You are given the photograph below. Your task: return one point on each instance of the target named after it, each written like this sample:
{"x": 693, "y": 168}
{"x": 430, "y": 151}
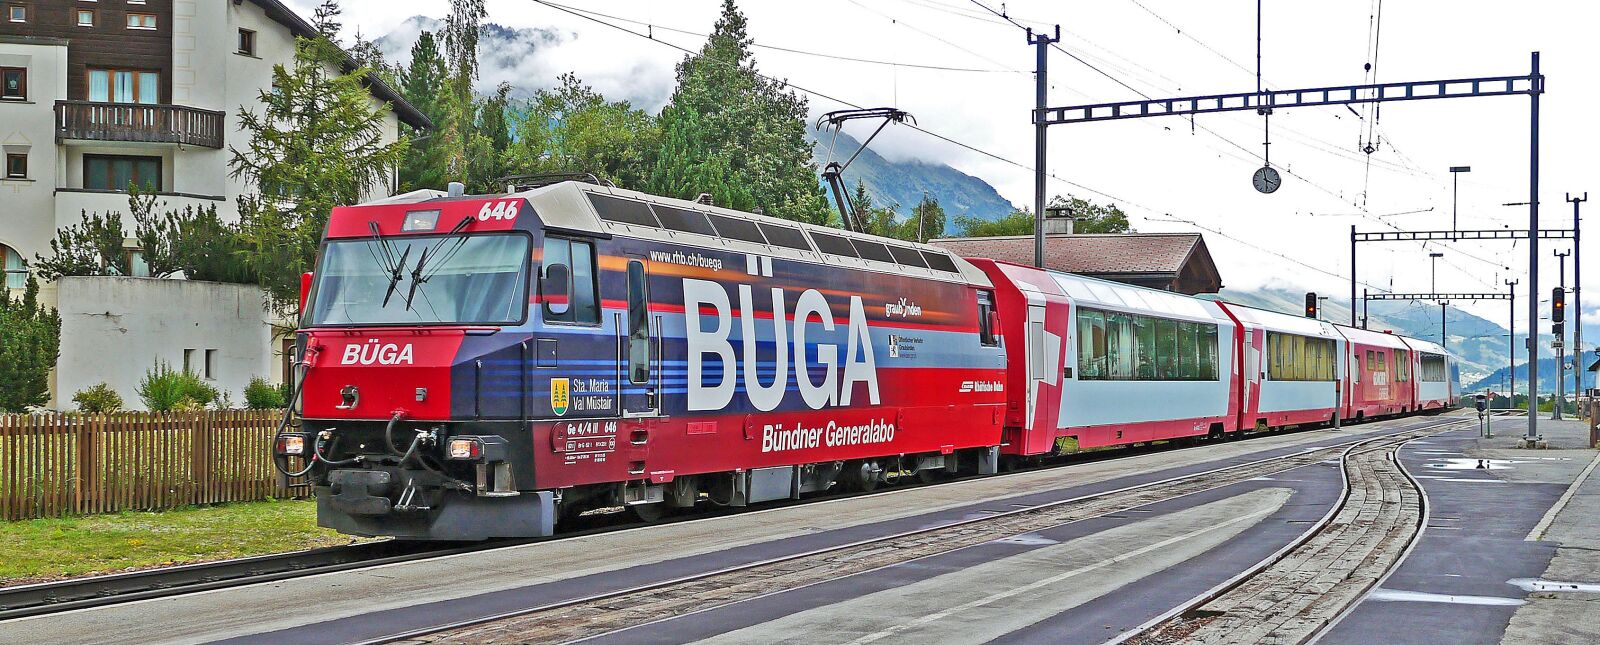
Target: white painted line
{"x": 766, "y": 266}
{"x": 1550, "y": 516}
{"x": 1540, "y": 584}
{"x": 1396, "y": 595}
{"x": 750, "y": 263}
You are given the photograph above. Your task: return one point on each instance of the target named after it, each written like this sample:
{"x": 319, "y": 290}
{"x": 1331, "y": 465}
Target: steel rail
{"x": 1303, "y": 539}
{"x": 1294, "y": 460}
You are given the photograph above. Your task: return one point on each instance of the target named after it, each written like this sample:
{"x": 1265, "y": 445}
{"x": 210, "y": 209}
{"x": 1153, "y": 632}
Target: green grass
{"x": 36, "y": 550}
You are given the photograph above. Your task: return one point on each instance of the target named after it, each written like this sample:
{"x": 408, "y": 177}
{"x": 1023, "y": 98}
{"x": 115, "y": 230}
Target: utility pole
{"x": 1041, "y": 43}
{"x": 1577, "y": 305}
{"x": 1444, "y": 341}
{"x": 1511, "y": 342}
{"x": 1532, "y": 440}
{"x": 1560, "y": 342}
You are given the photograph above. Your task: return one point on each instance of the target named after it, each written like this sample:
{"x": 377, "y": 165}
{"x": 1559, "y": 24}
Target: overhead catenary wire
{"x": 853, "y": 59}
{"x": 584, "y": 14}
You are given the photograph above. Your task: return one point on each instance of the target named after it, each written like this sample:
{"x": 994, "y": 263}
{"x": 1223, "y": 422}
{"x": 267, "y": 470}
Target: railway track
{"x": 80, "y": 593}
{"x": 1295, "y": 595}
{"x": 616, "y": 611}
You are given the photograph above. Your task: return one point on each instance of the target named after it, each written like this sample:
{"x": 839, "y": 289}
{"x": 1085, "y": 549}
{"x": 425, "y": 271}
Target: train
{"x": 471, "y": 367}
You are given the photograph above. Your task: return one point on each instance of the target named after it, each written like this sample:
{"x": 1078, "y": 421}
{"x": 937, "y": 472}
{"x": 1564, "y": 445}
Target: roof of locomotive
{"x": 573, "y": 206}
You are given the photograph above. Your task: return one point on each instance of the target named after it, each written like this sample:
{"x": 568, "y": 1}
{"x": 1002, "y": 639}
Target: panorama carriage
{"x": 482, "y": 366}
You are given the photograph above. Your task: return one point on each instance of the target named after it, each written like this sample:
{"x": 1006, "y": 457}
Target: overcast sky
{"x": 1161, "y": 170}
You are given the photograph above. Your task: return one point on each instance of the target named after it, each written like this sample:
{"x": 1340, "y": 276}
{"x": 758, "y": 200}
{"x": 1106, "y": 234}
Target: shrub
{"x": 163, "y": 389}
{"x": 262, "y": 395}
{"x": 97, "y": 399}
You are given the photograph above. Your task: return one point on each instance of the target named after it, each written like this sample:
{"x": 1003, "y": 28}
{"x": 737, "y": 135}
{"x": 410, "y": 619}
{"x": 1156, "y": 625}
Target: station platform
{"x": 1511, "y": 549}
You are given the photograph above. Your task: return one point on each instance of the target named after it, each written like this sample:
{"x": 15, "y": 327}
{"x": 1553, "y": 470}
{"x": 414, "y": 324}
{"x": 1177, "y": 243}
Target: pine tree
{"x": 317, "y": 143}
{"x": 423, "y": 85}
{"x": 726, "y": 120}
{"x": 30, "y": 343}
{"x": 487, "y": 163}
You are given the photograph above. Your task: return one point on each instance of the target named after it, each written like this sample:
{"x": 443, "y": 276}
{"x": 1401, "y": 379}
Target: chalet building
{"x": 98, "y": 94}
{"x": 1167, "y": 261}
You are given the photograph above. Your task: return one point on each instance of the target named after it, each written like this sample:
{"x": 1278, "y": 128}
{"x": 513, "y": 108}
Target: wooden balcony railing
{"x": 96, "y": 121}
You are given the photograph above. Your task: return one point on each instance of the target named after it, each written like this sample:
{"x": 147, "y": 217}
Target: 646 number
{"x": 498, "y": 210}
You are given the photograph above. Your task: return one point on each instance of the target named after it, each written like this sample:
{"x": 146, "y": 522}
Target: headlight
{"x": 291, "y": 444}
{"x": 465, "y": 449}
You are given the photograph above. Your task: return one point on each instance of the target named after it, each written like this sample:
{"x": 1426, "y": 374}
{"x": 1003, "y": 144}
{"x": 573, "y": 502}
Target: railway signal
{"x": 1558, "y": 304}
{"x": 1311, "y": 304}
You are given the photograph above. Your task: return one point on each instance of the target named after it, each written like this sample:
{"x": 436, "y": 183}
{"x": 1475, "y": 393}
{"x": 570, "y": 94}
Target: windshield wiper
{"x": 417, "y": 278}
{"x": 394, "y": 277}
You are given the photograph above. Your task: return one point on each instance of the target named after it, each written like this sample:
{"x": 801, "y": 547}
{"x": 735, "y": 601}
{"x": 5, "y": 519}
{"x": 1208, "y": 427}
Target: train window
{"x": 737, "y": 229}
{"x": 1166, "y": 350}
{"x": 907, "y": 256}
{"x": 626, "y": 211}
{"x": 1091, "y": 344}
{"x": 874, "y": 251}
{"x": 583, "y": 290}
{"x": 940, "y": 262}
{"x": 1120, "y": 346}
{"x": 1144, "y": 331}
{"x": 833, "y": 244}
{"x": 1402, "y": 365}
{"x": 1188, "y": 353}
{"x": 986, "y": 330}
{"x": 1300, "y": 358}
{"x": 687, "y": 221}
{"x": 785, "y": 236}
{"x": 1208, "y": 352}
{"x": 638, "y": 323}
{"x": 1433, "y": 368}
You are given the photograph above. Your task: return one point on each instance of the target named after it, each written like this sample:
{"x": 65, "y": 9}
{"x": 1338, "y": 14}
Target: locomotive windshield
{"x": 422, "y": 280}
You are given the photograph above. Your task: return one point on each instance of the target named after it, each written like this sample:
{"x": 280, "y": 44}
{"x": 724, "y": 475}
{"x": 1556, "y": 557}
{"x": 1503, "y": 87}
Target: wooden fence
{"x": 61, "y": 464}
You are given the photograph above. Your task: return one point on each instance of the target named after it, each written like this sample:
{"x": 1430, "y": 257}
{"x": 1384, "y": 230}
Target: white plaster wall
{"x": 114, "y": 329}
{"x": 27, "y": 213}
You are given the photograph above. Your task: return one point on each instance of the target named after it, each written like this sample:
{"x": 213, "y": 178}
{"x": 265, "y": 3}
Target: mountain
{"x": 903, "y": 183}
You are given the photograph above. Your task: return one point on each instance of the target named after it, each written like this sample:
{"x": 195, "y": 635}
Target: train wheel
{"x": 862, "y": 475}
{"x": 647, "y": 513}
{"x": 930, "y": 475}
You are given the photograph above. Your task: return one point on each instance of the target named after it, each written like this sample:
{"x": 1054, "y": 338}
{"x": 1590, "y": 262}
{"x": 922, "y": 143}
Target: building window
{"x": 16, "y": 274}
{"x": 124, "y": 86}
{"x": 211, "y": 364}
{"x": 14, "y": 83}
{"x": 17, "y": 13}
{"x": 85, "y": 17}
{"x": 141, "y": 21}
{"x": 16, "y": 165}
{"x": 247, "y": 42}
{"x": 115, "y": 172}
{"x": 188, "y": 360}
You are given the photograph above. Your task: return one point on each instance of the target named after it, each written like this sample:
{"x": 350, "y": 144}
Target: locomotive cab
{"x": 403, "y": 344}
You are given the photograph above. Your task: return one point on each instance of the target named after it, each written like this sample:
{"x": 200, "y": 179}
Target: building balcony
{"x": 138, "y": 122}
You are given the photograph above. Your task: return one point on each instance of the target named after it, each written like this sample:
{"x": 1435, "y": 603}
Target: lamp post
{"x": 1443, "y": 304}
{"x": 1455, "y": 179}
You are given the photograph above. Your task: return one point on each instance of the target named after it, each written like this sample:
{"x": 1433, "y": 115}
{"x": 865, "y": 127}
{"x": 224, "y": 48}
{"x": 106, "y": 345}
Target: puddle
{"x": 1028, "y": 539}
{"x": 1396, "y": 595}
{"x": 1539, "y": 584}
{"x": 1463, "y": 463}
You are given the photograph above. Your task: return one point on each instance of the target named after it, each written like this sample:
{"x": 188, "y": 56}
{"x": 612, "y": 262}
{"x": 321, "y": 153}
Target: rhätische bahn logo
{"x": 560, "y": 395}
